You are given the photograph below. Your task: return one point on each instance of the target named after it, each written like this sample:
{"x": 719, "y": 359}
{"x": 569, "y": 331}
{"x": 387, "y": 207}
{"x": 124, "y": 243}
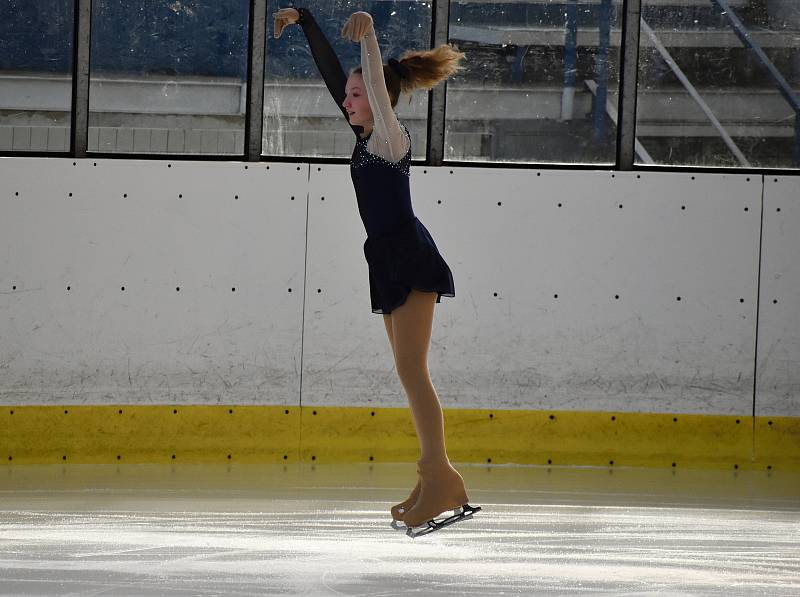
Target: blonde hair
{"x": 420, "y": 70}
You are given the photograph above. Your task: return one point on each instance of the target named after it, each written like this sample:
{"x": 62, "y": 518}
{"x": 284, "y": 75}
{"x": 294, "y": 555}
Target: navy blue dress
{"x": 400, "y": 252}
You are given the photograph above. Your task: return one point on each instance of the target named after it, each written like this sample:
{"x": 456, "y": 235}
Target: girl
{"x": 407, "y": 275}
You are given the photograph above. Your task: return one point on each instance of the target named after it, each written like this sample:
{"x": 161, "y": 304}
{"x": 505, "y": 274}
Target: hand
{"x": 284, "y": 17}
{"x": 357, "y": 26}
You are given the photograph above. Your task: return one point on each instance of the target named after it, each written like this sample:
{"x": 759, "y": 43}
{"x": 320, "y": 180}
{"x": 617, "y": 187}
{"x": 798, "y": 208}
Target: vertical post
{"x": 629, "y": 55}
{"x": 570, "y": 59}
{"x": 601, "y": 66}
{"x": 254, "y": 109}
{"x": 436, "y": 97}
{"x": 797, "y": 139}
{"x": 81, "y": 51}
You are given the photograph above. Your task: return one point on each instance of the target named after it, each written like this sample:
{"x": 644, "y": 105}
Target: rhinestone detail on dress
{"x": 363, "y": 156}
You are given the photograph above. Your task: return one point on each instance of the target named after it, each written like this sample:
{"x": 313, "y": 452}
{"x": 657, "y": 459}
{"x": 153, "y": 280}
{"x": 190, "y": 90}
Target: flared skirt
{"x": 405, "y": 259}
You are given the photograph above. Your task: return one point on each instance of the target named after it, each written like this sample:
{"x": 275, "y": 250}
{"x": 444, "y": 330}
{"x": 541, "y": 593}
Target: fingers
{"x": 357, "y": 26}
{"x": 283, "y": 18}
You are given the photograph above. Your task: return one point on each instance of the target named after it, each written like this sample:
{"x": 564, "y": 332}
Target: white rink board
{"x": 151, "y": 343}
{"x": 520, "y": 348}
{"x": 778, "y": 386}
{"x": 347, "y": 358}
{"x": 645, "y": 351}
{"x": 523, "y": 348}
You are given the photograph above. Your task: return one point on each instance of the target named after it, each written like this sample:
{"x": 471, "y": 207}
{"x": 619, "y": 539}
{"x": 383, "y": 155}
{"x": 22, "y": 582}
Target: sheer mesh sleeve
{"x": 388, "y": 139}
{"x": 327, "y": 62}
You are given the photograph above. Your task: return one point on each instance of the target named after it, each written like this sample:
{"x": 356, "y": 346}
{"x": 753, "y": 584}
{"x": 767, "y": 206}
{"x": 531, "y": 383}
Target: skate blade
{"x": 463, "y": 513}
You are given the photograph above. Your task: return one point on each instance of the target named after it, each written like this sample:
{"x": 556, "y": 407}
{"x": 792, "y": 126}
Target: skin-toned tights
{"x": 409, "y": 330}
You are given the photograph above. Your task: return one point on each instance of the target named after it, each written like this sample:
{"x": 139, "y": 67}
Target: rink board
{"x": 246, "y": 285}
{"x": 579, "y": 291}
{"x": 319, "y": 434}
{"x": 211, "y": 256}
{"x": 778, "y": 384}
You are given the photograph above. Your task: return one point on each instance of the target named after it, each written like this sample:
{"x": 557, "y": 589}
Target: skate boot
{"x": 399, "y": 510}
{"x": 442, "y": 488}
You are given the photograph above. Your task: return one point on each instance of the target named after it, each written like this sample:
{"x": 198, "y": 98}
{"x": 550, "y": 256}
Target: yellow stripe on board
{"x": 264, "y": 434}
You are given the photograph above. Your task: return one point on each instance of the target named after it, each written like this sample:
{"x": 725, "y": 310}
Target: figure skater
{"x": 407, "y": 275}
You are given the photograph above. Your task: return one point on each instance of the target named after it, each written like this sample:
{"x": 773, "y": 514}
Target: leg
{"x": 441, "y": 487}
{"x": 399, "y": 510}
{"x": 411, "y": 334}
{"x": 387, "y": 321}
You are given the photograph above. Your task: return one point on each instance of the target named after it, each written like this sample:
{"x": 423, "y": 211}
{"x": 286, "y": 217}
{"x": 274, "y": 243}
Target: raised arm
{"x": 325, "y": 58}
{"x": 390, "y": 140}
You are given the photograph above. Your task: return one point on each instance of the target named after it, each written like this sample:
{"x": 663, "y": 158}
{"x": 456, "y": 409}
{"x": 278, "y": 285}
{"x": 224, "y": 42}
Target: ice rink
{"x": 325, "y": 530}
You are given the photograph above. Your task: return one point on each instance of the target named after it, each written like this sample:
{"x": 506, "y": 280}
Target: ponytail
{"x": 420, "y": 70}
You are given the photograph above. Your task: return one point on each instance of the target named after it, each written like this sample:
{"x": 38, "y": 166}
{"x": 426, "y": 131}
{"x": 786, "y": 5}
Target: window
{"x": 706, "y": 97}
{"x": 168, "y": 76}
{"x": 540, "y": 83}
{"x": 36, "y": 74}
{"x": 300, "y": 117}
